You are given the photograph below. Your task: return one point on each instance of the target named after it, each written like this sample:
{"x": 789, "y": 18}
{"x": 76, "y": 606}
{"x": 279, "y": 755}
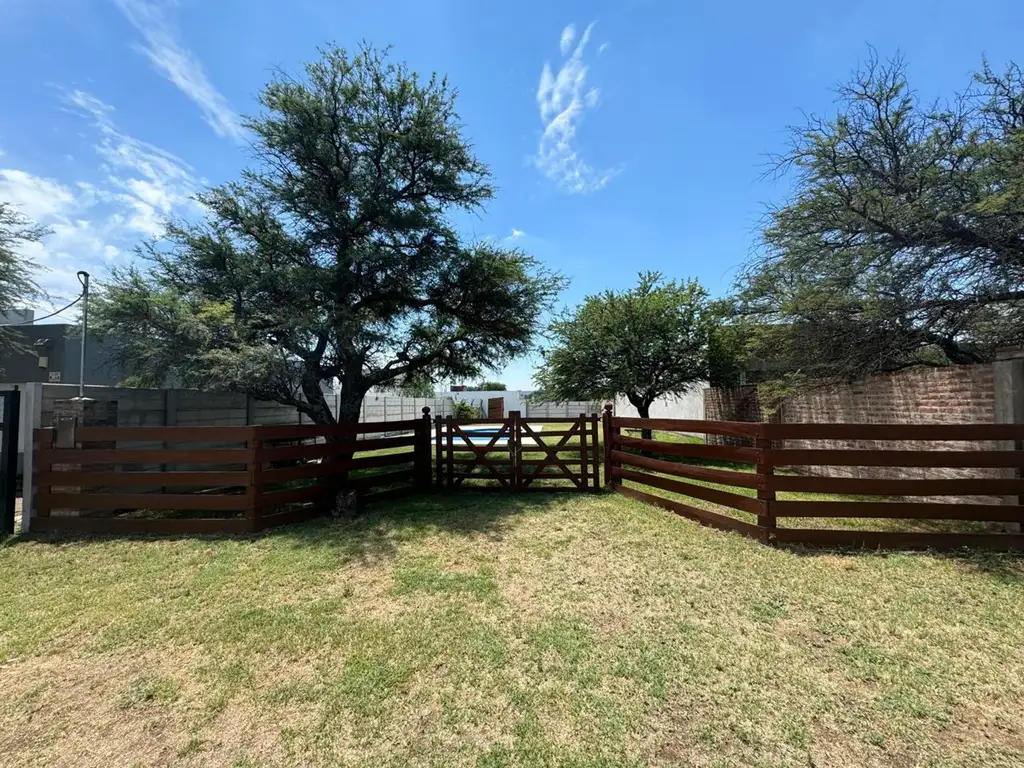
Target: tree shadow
{"x": 1006, "y": 567}
{"x": 376, "y": 533}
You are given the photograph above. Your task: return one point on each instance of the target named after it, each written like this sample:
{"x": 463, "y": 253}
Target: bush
{"x": 463, "y": 410}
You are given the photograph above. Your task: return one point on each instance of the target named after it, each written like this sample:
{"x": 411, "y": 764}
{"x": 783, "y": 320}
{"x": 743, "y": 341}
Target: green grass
{"x": 499, "y": 630}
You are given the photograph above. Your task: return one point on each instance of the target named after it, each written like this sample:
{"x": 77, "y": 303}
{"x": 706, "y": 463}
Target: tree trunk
{"x": 644, "y": 411}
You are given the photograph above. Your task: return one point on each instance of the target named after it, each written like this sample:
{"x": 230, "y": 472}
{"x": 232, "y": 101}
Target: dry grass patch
{"x": 494, "y": 630}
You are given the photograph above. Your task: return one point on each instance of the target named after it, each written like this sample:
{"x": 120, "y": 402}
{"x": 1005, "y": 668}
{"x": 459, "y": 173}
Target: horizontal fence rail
{"x": 170, "y": 479}
{"x": 760, "y": 488}
{"x": 518, "y": 453}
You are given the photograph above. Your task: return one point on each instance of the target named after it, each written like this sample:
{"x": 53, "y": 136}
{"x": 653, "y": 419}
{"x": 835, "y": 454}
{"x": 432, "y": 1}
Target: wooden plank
{"x": 898, "y": 539}
{"x": 168, "y": 434}
{"x": 690, "y": 450}
{"x": 528, "y": 420}
{"x": 859, "y": 486}
{"x": 311, "y": 431}
{"x": 154, "y": 501}
{"x": 143, "y": 456}
{"x": 301, "y": 472}
{"x": 703, "y": 516}
{"x": 900, "y": 510}
{"x": 477, "y": 449}
{"x": 818, "y": 431}
{"x": 721, "y": 476}
{"x": 715, "y": 496}
{"x": 321, "y": 450}
{"x": 143, "y": 479}
{"x": 306, "y": 493}
{"x": 731, "y": 428}
{"x": 871, "y": 458}
{"x": 117, "y": 525}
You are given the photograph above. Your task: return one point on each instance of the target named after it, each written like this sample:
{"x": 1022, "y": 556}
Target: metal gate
{"x": 10, "y": 414}
{"x": 517, "y": 453}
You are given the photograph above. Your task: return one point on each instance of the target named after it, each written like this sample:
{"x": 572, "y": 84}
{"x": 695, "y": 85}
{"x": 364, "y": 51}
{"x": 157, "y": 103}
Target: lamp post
{"x": 83, "y": 278}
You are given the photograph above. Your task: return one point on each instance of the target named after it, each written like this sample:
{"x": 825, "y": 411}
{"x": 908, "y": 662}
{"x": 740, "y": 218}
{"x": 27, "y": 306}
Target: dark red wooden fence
{"x": 634, "y": 467}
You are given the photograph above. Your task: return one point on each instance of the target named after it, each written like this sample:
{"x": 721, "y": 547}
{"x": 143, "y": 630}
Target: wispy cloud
{"x": 148, "y": 181}
{"x": 568, "y": 36}
{"x": 96, "y": 223}
{"x": 516, "y": 233}
{"x": 563, "y": 97}
{"x": 179, "y": 65}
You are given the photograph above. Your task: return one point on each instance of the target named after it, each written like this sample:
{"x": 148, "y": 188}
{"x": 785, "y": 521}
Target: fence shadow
{"x": 1007, "y": 567}
{"x": 375, "y": 533}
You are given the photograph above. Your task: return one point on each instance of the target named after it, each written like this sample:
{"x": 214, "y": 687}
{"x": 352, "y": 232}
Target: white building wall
{"x": 689, "y": 405}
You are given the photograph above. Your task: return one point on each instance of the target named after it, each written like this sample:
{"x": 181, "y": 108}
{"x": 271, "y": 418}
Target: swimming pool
{"x": 477, "y": 436}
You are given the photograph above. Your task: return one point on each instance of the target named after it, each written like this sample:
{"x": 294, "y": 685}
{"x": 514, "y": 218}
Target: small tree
{"x": 490, "y": 386}
{"x": 17, "y": 285}
{"x": 333, "y": 257}
{"x": 649, "y": 341}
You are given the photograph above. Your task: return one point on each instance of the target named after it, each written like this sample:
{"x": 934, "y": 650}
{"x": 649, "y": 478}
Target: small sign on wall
{"x": 54, "y": 377}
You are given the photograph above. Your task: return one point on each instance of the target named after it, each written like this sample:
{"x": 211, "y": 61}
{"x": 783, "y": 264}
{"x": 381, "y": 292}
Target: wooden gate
{"x": 518, "y": 454}
{"x": 496, "y": 408}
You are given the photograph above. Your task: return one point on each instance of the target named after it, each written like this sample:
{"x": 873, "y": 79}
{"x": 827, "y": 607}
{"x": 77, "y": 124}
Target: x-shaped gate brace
{"x": 552, "y": 456}
{"x": 480, "y": 454}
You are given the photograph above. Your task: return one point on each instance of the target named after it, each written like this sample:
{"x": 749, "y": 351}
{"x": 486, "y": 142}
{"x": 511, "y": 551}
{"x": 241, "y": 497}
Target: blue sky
{"x": 622, "y": 135}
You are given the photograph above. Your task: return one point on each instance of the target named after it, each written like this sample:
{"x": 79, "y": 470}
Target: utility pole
{"x": 83, "y": 278}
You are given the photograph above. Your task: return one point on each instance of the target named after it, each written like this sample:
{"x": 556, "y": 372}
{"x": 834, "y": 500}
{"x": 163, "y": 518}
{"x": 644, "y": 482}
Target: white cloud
{"x": 517, "y": 233}
{"x": 563, "y": 98}
{"x": 568, "y": 35}
{"x": 179, "y": 65}
{"x": 149, "y": 181}
{"x": 93, "y": 224}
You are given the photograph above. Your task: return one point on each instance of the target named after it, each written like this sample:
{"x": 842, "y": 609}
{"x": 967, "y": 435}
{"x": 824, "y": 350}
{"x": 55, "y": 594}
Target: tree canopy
{"x": 645, "y": 342}
{"x": 17, "y": 285}
{"x": 333, "y": 256}
{"x": 490, "y": 386}
{"x": 903, "y": 241}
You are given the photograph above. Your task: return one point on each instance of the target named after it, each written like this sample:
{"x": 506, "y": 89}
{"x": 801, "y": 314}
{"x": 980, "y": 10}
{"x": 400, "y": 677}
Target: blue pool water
{"x": 477, "y": 436}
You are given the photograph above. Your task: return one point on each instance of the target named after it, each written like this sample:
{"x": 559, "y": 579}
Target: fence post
{"x": 765, "y": 490}
{"x": 33, "y": 409}
{"x": 448, "y": 422}
{"x": 515, "y": 450}
{"x": 608, "y": 431}
{"x": 423, "y": 451}
{"x": 595, "y": 433}
{"x": 255, "y": 489}
{"x": 9, "y": 455}
{"x": 584, "y": 457}
{"x": 438, "y": 455}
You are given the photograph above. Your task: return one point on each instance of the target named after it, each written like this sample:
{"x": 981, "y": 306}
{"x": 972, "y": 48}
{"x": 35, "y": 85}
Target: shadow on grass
{"x": 1007, "y": 567}
{"x": 375, "y": 533}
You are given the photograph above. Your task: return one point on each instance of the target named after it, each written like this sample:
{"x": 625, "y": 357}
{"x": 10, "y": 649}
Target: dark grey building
{"x": 50, "y": 353}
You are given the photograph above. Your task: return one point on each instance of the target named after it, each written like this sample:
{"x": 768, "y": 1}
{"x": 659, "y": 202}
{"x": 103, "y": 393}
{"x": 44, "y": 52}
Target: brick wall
{"x": 948, "y": 395}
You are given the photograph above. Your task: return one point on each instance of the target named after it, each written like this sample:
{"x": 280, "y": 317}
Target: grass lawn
{"x": 492, "y": 630}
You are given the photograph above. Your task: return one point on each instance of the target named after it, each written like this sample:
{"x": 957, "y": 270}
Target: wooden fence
{"x": 759, "y": 490}
{"x": 241, "y": 479}
{"x": 518, "y": 453}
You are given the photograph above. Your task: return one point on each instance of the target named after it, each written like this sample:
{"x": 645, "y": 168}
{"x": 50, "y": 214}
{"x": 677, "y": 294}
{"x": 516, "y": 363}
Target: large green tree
{"x": 17, "y": 285}
{"x": 903, "y": 240}
{"x": 645, "y": 342}
{"x": 333, "y": 256}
